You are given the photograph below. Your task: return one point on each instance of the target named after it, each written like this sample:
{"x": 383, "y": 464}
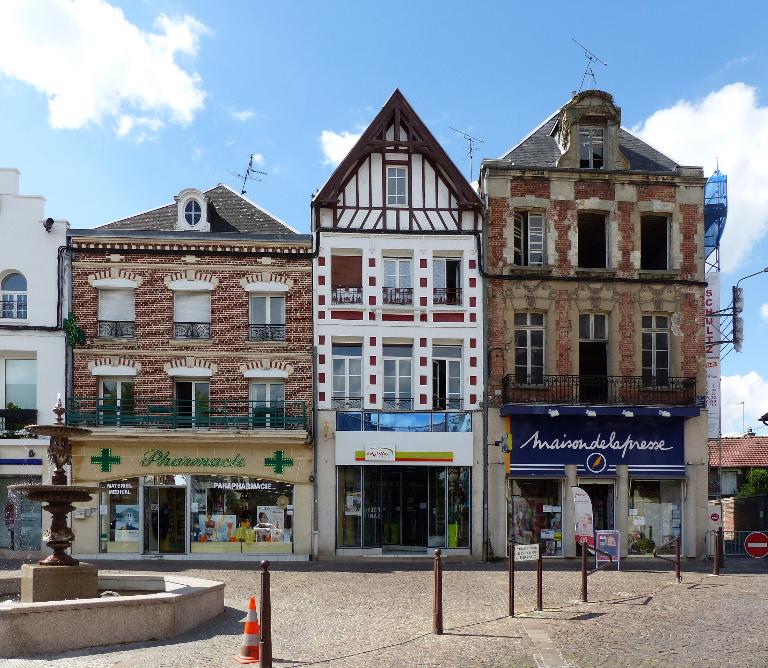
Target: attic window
{"x": 591, "y": 147}
{"x": 397, "y": 193}
{"x": 192, "y": 212}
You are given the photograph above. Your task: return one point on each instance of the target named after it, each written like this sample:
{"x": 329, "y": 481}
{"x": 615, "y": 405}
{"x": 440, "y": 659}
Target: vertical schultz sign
{"x": 712, "y": 352}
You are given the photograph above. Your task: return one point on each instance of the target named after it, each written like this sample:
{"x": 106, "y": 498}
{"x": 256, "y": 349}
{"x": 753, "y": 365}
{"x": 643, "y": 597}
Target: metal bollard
{"x": 539, "y": 593}
{"x": 265, "y": 612}
{"x": 437, "y": 606}
{"x": 716, "y": 556}
{"x": 584, "y": 572}
{"x": 511, "y": 580}
{"x": 678, "y": 575}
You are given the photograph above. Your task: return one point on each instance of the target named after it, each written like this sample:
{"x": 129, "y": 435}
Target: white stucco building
{"x": 32, "y": 349}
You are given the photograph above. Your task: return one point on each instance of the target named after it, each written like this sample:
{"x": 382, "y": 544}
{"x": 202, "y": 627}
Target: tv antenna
{"x": 472, "y": 141}
{"x": 251, "y": 174}
{"x": 589, "y": 71}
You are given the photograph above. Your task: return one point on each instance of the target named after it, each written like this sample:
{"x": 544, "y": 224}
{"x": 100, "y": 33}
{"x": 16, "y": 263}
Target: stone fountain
{"x": 59, "y": 576}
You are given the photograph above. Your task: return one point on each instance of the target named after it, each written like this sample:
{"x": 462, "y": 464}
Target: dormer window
{"x": 591, "y": 155}
{"x": 193, "y": 212}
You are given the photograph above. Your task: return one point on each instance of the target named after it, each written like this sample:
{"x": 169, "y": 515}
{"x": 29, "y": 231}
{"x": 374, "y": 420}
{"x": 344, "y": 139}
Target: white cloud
{"x": 336, "y": 145}
{"x": 242, "y": 115}
{"x": 93, "y": 65}
{"x": 764, "y": 311}
{"x": 752, "y": 389}
{"x": 731, "y": 126}
{"x": 258, "y": 159}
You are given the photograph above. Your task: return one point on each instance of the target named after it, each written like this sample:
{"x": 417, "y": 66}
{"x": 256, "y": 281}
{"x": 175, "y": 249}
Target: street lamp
{"x": 737, "y": 307}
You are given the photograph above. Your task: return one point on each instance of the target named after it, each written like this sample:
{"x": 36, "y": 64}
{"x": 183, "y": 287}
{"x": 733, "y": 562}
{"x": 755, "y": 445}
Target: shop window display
{"x": 458, "y": 506}
{"x": 350, "y": 506}
{"x": 119, "y": 526}
{"x": 20, "y": 528}
{"x": 536, "y": 514}
{"x": 655, "y": 514}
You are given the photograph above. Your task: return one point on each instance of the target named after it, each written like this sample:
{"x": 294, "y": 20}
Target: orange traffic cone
{"x": 249, "y": 651}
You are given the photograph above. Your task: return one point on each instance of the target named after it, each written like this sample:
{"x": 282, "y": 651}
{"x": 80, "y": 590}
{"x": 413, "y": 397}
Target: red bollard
{"x": 437, "y": 606}
{"x": 265, "y": 612}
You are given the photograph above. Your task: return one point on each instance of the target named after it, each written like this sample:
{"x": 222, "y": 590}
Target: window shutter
{"x": 192, "y": 307}
{"x": 346, "y": 271}
{"x": 117, "y": 305}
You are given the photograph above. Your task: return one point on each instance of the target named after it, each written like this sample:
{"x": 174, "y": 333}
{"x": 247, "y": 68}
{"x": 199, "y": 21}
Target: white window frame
{"x": 453, "y": 370}
{"x": 402, "y": 366}
{"x": 591, "y": 328}
{"x": 528, "y": 328}
{"x": 398, "y": 261}
{"x": 190, "y": 212}
{"x": 655, "y": 331}
{"x": 119, "y": 408}
{"x": 587, "y": 136}
{"x": 268, "y": 319}
{"x": 528, "y": 245}
{"x": 440, "y": 281}
{"x": 394, "y": 177}
{"x": 17, "y": 299}
{"x": 354, "y": 401}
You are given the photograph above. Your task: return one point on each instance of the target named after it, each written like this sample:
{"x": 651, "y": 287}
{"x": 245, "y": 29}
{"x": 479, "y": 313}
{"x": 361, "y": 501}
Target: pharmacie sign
{"x": 159, "y": 457}
{"x": 596, "y": 442}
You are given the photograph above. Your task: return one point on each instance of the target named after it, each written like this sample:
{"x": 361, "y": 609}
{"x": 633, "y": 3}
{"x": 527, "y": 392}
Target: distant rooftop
{"x": 740, "y": 451}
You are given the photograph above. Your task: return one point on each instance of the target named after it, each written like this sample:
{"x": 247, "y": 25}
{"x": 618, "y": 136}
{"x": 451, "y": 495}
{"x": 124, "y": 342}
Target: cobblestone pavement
{"x": 367, "y": 614}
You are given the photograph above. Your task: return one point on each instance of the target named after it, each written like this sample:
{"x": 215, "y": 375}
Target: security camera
{"x": 48, "y": 224}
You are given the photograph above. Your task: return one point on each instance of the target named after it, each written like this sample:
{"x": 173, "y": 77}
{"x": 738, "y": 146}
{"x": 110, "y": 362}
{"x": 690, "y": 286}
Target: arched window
{"x": 192, "y": 212}
{"x": 13, "y": 290}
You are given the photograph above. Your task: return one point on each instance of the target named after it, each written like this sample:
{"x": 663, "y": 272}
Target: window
{"x": 529, "y": 239}
{"x": 655, "y": 350}
{"x": 659, "y": 503}
{"x": 117, "y": 313}
{"x": 398, "y": 365}
{"x": 729, "y": 482}
{"x": 116, "y": 401}
{"x": 192, "y": 315}
{"x": 347, "y": 375}
{"x": 446, "y": 377}
{"x": 193, "y": 403}
{"x": 14, "y": 296}
{"x": 192, "y": 212}
{"x": 592, "y": 241}
{"x": 653, "y": 242}
{"x": 593, "y": 357}
{"x": 268, "y": 404}
{"x": 447, "y": 281}
{"x": 397, "y": 192}
{"x": 21, "y": 384}
{"x": 267, "y": 319}
{"x": 398, "y": 288}
{"x": 347, "y": 279}
{"x": 592, "y": 327}
{"x": 591, "y": 148}
{"x": 529, "y": 348}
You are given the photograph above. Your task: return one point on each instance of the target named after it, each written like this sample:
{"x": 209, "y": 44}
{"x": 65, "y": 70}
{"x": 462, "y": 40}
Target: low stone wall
{"x": 181, "y": 604}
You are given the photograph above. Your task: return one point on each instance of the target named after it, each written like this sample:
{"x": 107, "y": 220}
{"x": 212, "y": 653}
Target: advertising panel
{"x": 712, "y": 352}
{"x": 582, "y": 508}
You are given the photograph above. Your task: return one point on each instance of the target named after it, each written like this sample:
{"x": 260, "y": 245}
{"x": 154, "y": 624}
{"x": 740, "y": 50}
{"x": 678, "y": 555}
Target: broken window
{"x": 654, "y": 242}
{"x": 347, "y": 279}
{"x": 529, "y": 239}
{"x": 592, "y": 241}
{"x": 591, "y": 147}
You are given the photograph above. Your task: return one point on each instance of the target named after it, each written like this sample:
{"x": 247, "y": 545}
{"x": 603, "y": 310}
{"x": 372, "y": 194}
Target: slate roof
{"x": 228, "y": 211}
{"x": 540, "y": 149}
{"x": 740, "y": 451}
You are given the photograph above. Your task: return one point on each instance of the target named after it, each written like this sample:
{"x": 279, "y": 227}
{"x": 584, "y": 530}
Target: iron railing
{"x": 116, "y": 329}
{"x": 733, "y": 542}
{"x": 186, "y": 413}
{"x": 397, "y": 403}
{"x": 15, "y": 419}
{"x": 401, "y": 296}
{"x": 191, "y": 330}
{"x": 265, "y": 332}
{"x": 606, "y": 390}
{"x": 447, "y": 403}
{"x": 446, "y": 296}
{"x": 346, "y": 402}
{"x": 347, "y": 295}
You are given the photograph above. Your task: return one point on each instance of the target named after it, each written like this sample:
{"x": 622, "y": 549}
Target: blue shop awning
{"x": 538, "y": 470}
{"x": 653, "y": 471}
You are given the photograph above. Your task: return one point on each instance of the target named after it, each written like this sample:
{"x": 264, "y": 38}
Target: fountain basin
{"x": 158, "y": 607}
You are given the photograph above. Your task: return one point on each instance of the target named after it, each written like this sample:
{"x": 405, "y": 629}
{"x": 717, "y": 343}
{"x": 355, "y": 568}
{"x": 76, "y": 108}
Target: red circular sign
{"x": 714, "y": 517}
{"x": 756, "y": 544}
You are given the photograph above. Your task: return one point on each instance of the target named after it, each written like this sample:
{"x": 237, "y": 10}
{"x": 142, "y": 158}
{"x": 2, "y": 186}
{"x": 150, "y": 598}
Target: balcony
{"x": 184, "y": 414}
{"x": 116, "y": 329}
{"x": 603, "y": 390}
{"x": 15, "y": 419}
{"x": 346, "y": 295}
{"x": 266, "y": 332}
{"x": 339, "y": 402}
{"x": 390, "y": 403}
{"x": 446, "y": 296}
{"x": 398, "y": 296}
{"x": 191, "y": 330}
{"x": 447, "y": 403}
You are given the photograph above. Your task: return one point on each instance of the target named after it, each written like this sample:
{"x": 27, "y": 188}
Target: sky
{"x": 111, "y": 108}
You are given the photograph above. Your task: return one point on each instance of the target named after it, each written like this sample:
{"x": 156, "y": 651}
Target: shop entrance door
{"x": 404, "y": 505}
{"x": 164, "y": 520}
{"x": 602, "y": 498}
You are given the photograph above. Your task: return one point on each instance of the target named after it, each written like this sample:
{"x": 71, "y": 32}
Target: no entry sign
{"x": 756, "y": 544}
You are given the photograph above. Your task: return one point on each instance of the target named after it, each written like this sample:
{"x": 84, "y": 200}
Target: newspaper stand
{"x": 524, "y": 553}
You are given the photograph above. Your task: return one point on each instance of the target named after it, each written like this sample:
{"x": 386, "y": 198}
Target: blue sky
{"x": 109, "y": 113}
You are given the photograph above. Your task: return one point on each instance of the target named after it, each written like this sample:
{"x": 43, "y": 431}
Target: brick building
{"x": 595, "y": 286}
{"x": 196, "y": 379}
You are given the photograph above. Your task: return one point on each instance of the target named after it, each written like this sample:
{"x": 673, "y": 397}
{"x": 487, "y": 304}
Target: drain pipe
{"x": 315, "y": 442}
{"x": 486, "y": 376}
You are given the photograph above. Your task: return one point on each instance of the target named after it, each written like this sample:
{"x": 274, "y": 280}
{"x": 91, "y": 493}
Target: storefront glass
{"x": 655, "y": 514}
{"x": 120, "y": 517}
{"x": 458, "y": 506}
{"x": 536, "y": 514}
{"x": 21, "y": 527}
{"x": 349, "y": 506}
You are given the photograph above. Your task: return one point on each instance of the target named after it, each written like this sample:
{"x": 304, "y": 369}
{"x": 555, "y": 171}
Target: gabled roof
{"x": 397, "y": 111}
{"x": 228, "y": 211}
{"x": 740, "y": 451}
{"x": 540, "y": 149}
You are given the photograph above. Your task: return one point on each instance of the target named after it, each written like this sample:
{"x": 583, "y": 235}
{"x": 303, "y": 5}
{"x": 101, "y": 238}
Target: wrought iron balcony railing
{"x": 346, "y": 402}
{"x": 116, "y": 329}
{"x": 447, "y": 403}
{"x": 606, "y": 390}
{"x": 401, "y": 296}
{"x": 266, "y": 332}
{"x": 186, "y": 414}
{"x": 15, "y": 419}
{"x": 347, "y": 295}
{"x": 446, "y": 296}
{"x": 390, "y": 403}
{"x": 191, "y": 330}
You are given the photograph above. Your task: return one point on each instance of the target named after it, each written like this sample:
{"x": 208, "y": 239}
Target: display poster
{"x": 610, "y": 542}
{"x": 215, "y": 528}
{"x": 271, "y": 523}
{"x": 126, "y": 523}
{"x": 712, "y": 352}
{"x": 353, "y": 503}
{"x": 582, "y": 507}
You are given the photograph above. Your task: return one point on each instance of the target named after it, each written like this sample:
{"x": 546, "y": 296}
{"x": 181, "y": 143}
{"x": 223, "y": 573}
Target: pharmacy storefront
{"x": 206, "y": 499}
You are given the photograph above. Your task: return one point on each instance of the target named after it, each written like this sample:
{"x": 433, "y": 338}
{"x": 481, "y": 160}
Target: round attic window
{"x": 192, "y": 212}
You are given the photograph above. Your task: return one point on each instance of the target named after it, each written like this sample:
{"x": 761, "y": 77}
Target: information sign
{"x": 610, "y": 542}
{"x": 527, "y": 552}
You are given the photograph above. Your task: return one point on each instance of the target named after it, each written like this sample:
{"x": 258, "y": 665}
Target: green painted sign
{"x": 105, "y": 460}
{"x": 278, "y": 461}
{"x": 159, "y": 457}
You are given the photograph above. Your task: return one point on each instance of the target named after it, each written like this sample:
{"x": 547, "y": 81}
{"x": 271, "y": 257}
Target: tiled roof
{"x": 740, "y": 451}
{"x": 228, "y": 211}
{"x": 540, "y": 149}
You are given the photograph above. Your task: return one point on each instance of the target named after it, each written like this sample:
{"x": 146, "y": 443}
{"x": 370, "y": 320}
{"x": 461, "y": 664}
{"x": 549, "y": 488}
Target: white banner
{"x": 582, "y": 509}
{"x": 712, "y": 333}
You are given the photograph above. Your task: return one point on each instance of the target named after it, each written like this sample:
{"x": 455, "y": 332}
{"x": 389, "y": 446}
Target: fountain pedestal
{"x": 54, "y": 583}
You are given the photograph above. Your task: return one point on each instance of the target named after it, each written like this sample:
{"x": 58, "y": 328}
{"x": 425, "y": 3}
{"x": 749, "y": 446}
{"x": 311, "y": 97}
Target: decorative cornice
{"x": 190, "y": 367}
{"x": 114, "y": 365}
{"x": 266, "y": 368}
{"x": 191, "y": 279}
{"x": 266, "y": 281}
{"x": 114, "y": 277}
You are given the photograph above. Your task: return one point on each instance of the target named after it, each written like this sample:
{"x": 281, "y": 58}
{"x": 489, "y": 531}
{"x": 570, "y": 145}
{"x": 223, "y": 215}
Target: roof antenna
{"x": 471, "y": 143}
{"x": 251, "y": 174}
{"x": 591, "y": 57}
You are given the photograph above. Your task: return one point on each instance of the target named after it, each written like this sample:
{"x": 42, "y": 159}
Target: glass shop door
{"x": 164, "y": 520}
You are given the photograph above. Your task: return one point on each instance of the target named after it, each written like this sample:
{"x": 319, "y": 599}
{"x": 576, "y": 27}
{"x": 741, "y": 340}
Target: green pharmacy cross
{"x": 278, "y": 461}
{"x": 105, "y": 460}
